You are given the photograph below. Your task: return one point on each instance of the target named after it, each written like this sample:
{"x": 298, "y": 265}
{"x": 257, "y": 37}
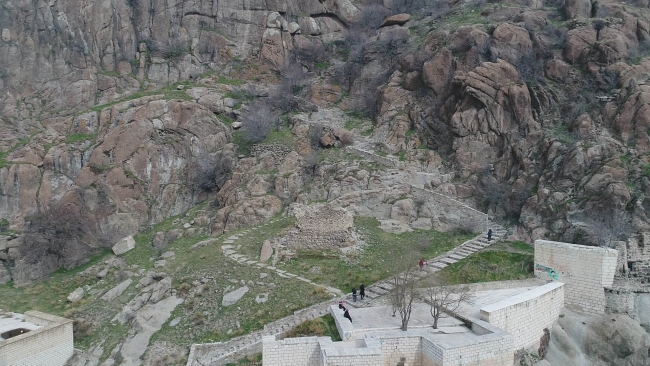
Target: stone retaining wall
{"x": 277, "y": 151}
{"x": 585, "y": 270}
{"x": 527, "y": 314}
{"x": 312, "y": 240}
{"x": 416, "y": 348}
{"x": 51, "y": 345}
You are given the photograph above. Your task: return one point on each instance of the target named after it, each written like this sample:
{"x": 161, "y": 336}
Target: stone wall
{"x": 309, "y": 240}
{"x": 278, "y": 152}
{"x": 585, "y": 271}
{"x": 527, "y": 314}
{"x": 302, "y": 351}
{"x": 637, "y": 258}
{"x": 51, "y": 345}
{"x": 415, "y": 348}
{"x": 319, "y": 227}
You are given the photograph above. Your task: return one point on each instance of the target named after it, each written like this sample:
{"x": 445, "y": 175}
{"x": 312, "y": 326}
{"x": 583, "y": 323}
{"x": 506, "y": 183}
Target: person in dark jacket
{"x": 347, "y": 315}
{"x": 354, "y": 294}
{"x": 362, "y": 291}
{"x": 489, "y": 234}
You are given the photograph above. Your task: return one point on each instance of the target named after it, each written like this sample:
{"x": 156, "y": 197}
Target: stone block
{"x": 124, "y": 245}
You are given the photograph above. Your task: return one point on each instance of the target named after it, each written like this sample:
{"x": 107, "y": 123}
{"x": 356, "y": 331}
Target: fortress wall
{"x": 51, "y": 345}
{"x": 527, "y": 314}
{"x": 302, "y": 351}
{"x": 584, "y": 270}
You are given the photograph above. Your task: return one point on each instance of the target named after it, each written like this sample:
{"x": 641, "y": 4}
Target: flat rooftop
{"x": 373, "y": 319}
{"x": 472, "y": 307}
{"x": 13, "y": 321}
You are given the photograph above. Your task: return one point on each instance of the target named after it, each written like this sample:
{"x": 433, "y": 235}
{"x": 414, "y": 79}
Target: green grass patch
{"x": 226, "y": 81}
{"x": 491, "y": 265}
{"x": 254, "y": 360}
{"x": 48, "y": 295}
{"x": 225, "y": 119}
{"x": 168, "y": 92}
{"x": 251, "y": 243}
{"x": 283, "y": 136}
{"x": 375, "y": 262}
{"x": 322, "y": 65}
{"x": 324, "y": 326}
{"x": 80, "y": 137}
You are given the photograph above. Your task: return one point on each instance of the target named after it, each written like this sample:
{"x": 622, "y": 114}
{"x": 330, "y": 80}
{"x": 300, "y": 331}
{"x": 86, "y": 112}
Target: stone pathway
{"x": 230, "y": 251}
{"x": 217, "y": 354}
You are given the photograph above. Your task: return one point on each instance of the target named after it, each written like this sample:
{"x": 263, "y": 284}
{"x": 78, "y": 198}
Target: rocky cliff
{"x": 538, "y": 111}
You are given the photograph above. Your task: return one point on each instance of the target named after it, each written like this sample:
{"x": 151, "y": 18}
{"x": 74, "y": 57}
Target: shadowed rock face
{"x": 606, "y": 340}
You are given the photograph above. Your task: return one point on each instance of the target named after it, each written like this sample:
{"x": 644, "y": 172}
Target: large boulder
{"x": 511, "y": 42}
{"x": 124, "y": 245}
{"x": 232, "y": 297}
{"x": 437, "y": 72}
{"x": 397, "y": 19}
{"x": 612, "y": 339}
{"x": 76, "y": 295}
{"x": 491, "y": 116}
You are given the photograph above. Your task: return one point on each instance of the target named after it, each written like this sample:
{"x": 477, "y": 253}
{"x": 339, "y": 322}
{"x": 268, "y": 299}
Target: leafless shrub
{"x": 315, "y": 134}
{"x": 556, "y": 36}
{"x": 210, "y": 171}
{"x": 258, "y": 122}
{"x": 59, "y": 234}
{"x": 175, "y": 50}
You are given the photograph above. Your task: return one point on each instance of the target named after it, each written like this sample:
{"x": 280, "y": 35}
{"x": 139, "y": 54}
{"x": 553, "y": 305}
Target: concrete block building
{"x": 35, "y": 339}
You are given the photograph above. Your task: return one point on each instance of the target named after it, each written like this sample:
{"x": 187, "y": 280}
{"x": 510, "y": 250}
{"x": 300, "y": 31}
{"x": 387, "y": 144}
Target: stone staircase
{"x": 374, "y": 292}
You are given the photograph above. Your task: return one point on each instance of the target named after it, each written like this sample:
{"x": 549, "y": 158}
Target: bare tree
{"x": 444, "y": 298}
{"x": 404, "y": 292}
{"x": 58, "y": 236}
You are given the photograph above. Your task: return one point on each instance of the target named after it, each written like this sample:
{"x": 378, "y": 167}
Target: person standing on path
{"x": 421, "y": 264}
{"x": 489, "y": 234}
{"x": 347, "y": 315}
{"x": 362, "y": 291}
{"x": 354, "y": 294}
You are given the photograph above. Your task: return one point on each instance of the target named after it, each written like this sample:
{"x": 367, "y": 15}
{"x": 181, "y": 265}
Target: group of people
{"x": 362, "y": 293}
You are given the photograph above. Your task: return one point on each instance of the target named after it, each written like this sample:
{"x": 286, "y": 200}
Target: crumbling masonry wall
{"x": 584, "y": 270}
{"x": 51, "y": 345}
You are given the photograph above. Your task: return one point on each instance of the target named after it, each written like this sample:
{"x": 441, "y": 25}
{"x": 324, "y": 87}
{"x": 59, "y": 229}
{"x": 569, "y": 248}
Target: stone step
{"x": 457, "y": 256}
{"x": 429, "y": 268}
{"x": 448, "y": 260}
{"x": 439, "y": 265}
